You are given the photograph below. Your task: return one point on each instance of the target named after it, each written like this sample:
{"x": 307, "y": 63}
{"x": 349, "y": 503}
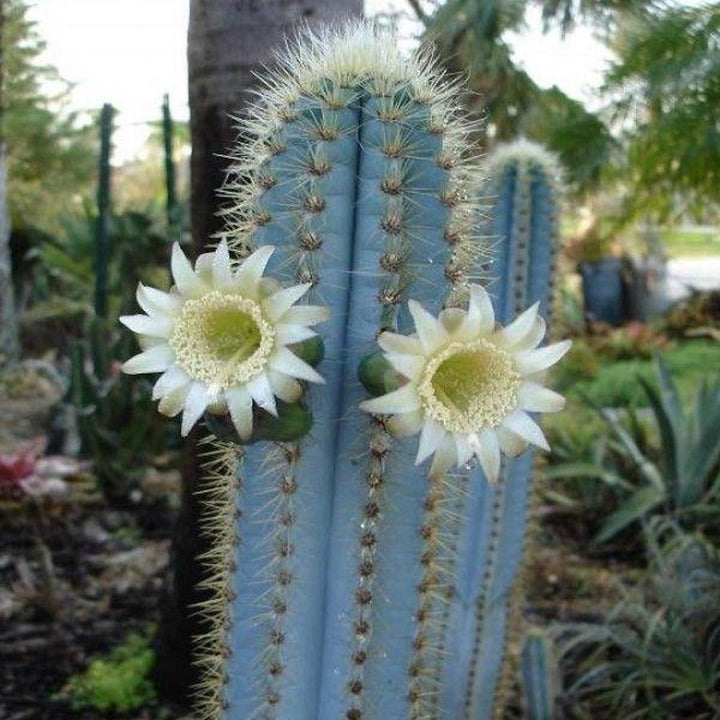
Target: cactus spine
{"x": 335, "y": 568}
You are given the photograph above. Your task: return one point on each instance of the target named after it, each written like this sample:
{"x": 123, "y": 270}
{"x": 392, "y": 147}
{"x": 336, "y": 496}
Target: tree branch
{"x": 421, "y": 14}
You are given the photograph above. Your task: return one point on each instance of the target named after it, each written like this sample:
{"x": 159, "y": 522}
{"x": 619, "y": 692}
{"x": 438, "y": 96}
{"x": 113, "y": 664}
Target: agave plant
{"x": 677, "y": 477}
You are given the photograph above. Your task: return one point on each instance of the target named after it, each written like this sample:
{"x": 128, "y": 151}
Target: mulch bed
{"x": 73, "y": 586}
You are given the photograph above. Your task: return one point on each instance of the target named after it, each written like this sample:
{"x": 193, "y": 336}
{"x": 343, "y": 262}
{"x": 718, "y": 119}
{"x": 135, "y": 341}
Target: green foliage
{"x": 700, "y": 312}
{"x": 51, "y": 158}
{"x": 587, "y": 372}
{"x": 567, "y": 13}
{"x": 578, "y": 137}
{"x": 675, "y": 474}
{"x": 140, "y": 246}
{"x": 667, "y": 79}
{"x": 113, "y": 413}
{"x": 658, "y": 653}
{"x": 118, "y": 683}
{"x": 471, "y": 38}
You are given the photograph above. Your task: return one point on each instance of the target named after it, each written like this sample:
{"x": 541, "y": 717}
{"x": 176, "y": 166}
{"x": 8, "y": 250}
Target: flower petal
{"x": 431, "y": 333}
{"x": 148, "y": 341}
{"x": 533, "y": 397}
{"x": 261, "y": 392}
{"x": 250, "y": 272}
{"x": 172, "y": 379}
{"x": 277, "y": 304}
{"x": 145, "y": 325}
{"x": 187, "y": 281}
{"x": 157, "y": 302}
{"x": 487, "y": 448}
{"x": 532, "y": 361}
{"x": 195, "y": 404}
{"x": 157, "y": 358}
{"x": 394, "y": 343}
{"x": 289, "y": 363}
{"x": 402, "y": 400}
{"x": 268, "y": 286}
{"x": 305, "y": 315}
{"x": 444, "y": 459}
{"x": 289, "y": 334}
{"x": 480, "y": 315}
{"x": 451, "y": 319}
{"x": 520, "y": 327}
{"x": 288, "y": 389}
{"x": 535, "y": 336}
{"x": 519, "y": 422}
{"x": 239, "y": 405}
{"x": 431, "y": 438}
{"x": 172, "y": 404}
{"x": 411, "y": 366}
{"x": 464, "y": 450}
{"x": 222, "y": 266}
{"x": 510, "y": 443}
{"x": 204, "y": 267}
{"x": 405, "y": 424}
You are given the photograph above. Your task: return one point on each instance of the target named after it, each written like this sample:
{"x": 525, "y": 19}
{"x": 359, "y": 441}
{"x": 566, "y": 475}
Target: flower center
{"x": 469, "y": 386}
{"x": 222, "y": 340}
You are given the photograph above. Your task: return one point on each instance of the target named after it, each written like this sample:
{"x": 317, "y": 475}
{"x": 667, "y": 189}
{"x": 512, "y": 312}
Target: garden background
{"x": 619, "y": 595}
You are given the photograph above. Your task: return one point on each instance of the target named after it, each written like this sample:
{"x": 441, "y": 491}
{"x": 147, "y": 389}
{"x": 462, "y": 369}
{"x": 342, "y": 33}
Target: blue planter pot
{"x": 603, "y": 290}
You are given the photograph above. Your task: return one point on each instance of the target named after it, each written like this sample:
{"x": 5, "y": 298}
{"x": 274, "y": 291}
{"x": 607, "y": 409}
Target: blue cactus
{"x": 523, "y": 188}
{"x": 345, "y": 581}
{"x": 539, "y": 671}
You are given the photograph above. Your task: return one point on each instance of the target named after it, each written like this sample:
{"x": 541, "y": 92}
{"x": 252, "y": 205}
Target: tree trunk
{"x": 228, "y": 41}
{"x": 9, "y": 344}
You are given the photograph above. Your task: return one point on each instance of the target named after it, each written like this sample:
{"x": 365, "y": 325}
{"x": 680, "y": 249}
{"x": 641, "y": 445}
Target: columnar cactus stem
{"x": 348, "y": 580}
{"x": 524, "y": 185}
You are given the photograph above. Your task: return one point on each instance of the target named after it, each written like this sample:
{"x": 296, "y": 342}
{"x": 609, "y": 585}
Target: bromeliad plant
{"x": 347, "y": 581}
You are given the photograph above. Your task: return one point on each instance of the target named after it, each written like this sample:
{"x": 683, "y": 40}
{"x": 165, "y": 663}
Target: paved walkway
{"x": 702, "y": 273}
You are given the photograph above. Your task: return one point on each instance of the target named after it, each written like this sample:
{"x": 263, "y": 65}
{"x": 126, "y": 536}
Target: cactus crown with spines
{"x": 335, "y": 561}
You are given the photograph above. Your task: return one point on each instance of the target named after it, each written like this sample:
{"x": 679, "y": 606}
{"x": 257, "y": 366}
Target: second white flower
{"x": 471, "y": 385}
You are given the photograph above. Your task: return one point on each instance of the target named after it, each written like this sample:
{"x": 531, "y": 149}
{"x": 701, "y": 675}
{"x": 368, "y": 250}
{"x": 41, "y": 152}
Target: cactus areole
{"x": 351, "y": 575}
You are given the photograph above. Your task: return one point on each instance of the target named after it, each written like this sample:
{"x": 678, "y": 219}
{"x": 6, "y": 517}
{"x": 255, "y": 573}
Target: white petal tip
{"x": 130, "y": 368}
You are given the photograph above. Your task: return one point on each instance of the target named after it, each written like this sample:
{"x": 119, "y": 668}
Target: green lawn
{"x": 690, "y": 243}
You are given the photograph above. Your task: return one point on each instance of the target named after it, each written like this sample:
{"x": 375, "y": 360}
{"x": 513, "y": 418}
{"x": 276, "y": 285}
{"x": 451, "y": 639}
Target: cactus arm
{"x": 388, "y": 646}
{"x": 522, "y": 223}
{"x": 361, "y": 499}
{"x": 531, "y": 180}
{"x": 303, "y": 206}
{"x": 538, "y": 676}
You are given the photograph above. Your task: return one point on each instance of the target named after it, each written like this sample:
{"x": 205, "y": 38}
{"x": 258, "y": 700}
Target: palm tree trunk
{"x": 227, "y": 43}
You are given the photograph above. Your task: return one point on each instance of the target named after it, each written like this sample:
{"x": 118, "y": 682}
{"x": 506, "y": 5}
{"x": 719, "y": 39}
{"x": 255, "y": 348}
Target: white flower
{"x": 470, "y": 384}
{"x": 220, "y": 338}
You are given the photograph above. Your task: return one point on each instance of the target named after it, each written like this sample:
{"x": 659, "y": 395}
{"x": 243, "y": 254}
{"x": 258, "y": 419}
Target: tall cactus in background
{"x": 346, "y": 580}
{"x": 522, "y": 187}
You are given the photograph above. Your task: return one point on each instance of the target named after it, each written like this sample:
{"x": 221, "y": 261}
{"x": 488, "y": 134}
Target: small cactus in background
{"x": 347, "y": 581}
{"x": 539, "y": 676}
